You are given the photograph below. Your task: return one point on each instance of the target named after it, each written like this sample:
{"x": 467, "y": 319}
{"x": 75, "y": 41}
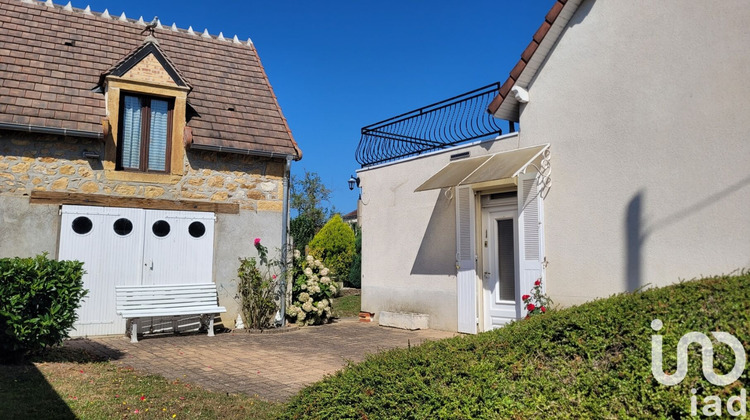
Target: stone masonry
{"x": 31, "y": 162}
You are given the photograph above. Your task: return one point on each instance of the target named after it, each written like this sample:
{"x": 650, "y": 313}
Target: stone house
{"x": 629, "y": 170}
{"x": 155, "y": 158}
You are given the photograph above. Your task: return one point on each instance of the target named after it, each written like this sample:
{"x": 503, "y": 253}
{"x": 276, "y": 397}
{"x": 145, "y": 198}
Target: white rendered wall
{"x": 647, "y": 108}
{"x": 409, "y": 239}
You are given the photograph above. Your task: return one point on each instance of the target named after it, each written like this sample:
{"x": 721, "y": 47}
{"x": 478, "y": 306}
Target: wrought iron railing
{"x": 437, "y": 126}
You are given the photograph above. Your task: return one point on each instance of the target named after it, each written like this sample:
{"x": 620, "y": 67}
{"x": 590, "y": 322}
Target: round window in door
{"x": 197, "y": 229}
{"x": 161, "y": 228}
{"x": 122, "y": 226}
{"x": 82, "y": 225}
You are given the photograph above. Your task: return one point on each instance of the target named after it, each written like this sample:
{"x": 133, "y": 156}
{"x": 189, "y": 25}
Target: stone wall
{"x": 31, "y": 162}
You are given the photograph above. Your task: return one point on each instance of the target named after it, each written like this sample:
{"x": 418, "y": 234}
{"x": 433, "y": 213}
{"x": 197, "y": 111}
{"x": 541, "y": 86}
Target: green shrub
{"x": 590, "y": 361}
{"x": 38, "y": 302}
{"x": 334, "y": 245}
{"x": 258, "y": 289}
{"x": 355, "y": 271}
{"x": 312, "y": 291}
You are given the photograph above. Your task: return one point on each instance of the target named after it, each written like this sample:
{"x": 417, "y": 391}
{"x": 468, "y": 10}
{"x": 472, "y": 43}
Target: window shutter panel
{"x": 157, "y": 147}
{"x": 531, "y": 231}
{"x": 466, "y": 287}
{"x": 131, "y": 133}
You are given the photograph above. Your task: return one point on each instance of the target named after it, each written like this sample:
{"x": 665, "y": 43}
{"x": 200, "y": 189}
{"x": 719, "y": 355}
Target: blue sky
{"x": 336, "y": 66}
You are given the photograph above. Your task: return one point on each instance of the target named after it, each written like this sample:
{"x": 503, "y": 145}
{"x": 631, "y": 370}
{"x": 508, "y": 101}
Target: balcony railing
{"x": 438, "y": 126}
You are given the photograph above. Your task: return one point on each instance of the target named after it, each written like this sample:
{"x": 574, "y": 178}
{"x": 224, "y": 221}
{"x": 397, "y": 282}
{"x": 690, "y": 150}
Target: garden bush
{"x": 312, "y": 291}
{"x": 334, "y": 246}
{"x": 589, "y": 361}
{"x": 258, "y": 290}
{"x": 38, "y": 302}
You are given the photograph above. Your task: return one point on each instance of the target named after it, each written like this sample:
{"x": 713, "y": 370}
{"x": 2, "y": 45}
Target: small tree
{"x": 307, "y": 197}
{"x": 334, "y": 245}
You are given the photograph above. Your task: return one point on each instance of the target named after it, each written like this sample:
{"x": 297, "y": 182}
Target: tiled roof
{"x": 46, "y": 82}
{"x": 533, "y": 56}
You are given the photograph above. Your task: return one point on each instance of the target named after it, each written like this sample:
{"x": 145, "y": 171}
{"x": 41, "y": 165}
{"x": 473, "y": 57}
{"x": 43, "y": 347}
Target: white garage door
{"x": 120, "y": 246}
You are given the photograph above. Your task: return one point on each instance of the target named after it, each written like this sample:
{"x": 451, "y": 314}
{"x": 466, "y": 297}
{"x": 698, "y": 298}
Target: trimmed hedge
{"x": 38, "y": 302}
{"x": 589, "y": 361}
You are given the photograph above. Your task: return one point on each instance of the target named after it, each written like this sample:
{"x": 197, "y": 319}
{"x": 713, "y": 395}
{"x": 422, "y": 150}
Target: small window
{"x": 82, "y": 225}
{"x": 196, "y": 229}
{"x": 145, "y": 134}
{"x": 123, "y": 226}
{"x": 160, "y": 228}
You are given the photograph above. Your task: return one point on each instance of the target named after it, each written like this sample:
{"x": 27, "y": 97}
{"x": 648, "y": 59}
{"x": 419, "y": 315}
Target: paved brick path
{"x": 273, "y": 366}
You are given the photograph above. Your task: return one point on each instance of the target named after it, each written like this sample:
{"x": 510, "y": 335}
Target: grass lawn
{"x": 347, "y": 306}
{"x": 68, "y": 384}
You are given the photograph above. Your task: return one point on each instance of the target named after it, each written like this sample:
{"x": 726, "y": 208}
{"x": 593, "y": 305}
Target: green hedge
{"x": 38, "y": 302}
{"x": 590, "y": 361}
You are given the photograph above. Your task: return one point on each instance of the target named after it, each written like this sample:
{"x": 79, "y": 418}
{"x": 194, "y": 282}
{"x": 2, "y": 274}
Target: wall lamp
{"x": 353, "y": 181}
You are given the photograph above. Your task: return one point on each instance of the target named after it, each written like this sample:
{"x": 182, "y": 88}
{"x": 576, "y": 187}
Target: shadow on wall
{"x": 437, "y": 252}
{"x": 636, "y": 232}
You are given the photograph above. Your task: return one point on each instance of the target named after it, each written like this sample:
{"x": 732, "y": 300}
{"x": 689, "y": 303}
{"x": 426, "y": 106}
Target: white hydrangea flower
{"x": 303, "y": 297}
{"x": 301, "y": 316}
{"x": 297, "y": 253}
{"x": 325, "y": 280}
{"x": 309, "y": 300}
{"x": 318, "y": 263}
{"x": 324, "y": 271}
{"x": 333, "y": 289}
{"x": 308, "y": 272}
{"x": 324, "y": 302}
{"x": 307, "y": 306}
{"x": 303, "y": 286}
{"x": 309, "y": 259}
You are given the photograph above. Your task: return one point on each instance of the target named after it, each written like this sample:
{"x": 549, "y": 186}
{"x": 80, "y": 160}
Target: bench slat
{"x": 174, "y": 312}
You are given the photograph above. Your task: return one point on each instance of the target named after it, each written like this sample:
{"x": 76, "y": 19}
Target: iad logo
{"x": 713, "y": 403}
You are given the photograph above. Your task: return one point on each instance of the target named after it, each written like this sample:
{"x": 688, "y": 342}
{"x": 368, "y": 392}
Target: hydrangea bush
{"x": 312, "y": 291}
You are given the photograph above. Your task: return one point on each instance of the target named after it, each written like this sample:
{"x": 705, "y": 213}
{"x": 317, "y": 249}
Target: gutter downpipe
{"x": 285, "y": 237}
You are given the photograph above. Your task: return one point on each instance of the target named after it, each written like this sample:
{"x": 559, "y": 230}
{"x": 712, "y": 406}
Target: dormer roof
{"x": 150, "y": 46}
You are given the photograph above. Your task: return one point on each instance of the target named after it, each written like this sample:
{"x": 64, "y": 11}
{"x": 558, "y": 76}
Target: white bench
{"x": 135, "y": 302}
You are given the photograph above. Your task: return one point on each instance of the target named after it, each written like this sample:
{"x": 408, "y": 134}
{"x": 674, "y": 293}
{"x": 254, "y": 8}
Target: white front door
{"x": 500, "y": 281}
{"x": 123, "y": 246}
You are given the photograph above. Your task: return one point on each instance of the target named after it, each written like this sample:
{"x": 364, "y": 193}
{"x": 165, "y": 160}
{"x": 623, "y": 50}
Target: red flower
{"x": 530, "y": 307}
{"x": 257, "y": 241}
{"x": 525, "y": 297}
{"x": 143, "y": 397}
{"x": 543, "y": 309}
{"x": 536, "y": 283}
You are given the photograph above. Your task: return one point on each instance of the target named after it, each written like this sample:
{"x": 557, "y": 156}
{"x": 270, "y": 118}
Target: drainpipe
{"x": 285, "y": 237}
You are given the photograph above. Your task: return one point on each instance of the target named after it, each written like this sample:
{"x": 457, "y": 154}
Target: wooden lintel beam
{"x": 53, "y": 197}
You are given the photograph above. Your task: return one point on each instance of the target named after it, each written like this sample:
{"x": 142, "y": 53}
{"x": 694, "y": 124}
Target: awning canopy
{"x": 499, "y": 168}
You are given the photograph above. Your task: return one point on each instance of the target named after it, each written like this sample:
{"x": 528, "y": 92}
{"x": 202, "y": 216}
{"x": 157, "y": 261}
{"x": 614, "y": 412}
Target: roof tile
{"x": 53, "y": 81}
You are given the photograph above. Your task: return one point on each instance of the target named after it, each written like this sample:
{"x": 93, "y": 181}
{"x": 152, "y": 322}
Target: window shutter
{"x": 157, "y": 147}
{"x": 531, "y": 231}
{"x": 131, "y": 133}
{"x": 466, "y": 287}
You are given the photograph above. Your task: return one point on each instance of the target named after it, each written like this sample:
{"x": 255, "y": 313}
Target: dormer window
{"x": 146, "y": 133}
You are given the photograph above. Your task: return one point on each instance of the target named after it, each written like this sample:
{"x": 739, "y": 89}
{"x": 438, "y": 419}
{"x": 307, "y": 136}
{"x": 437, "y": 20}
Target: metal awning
{"x": 499, "y": 168}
